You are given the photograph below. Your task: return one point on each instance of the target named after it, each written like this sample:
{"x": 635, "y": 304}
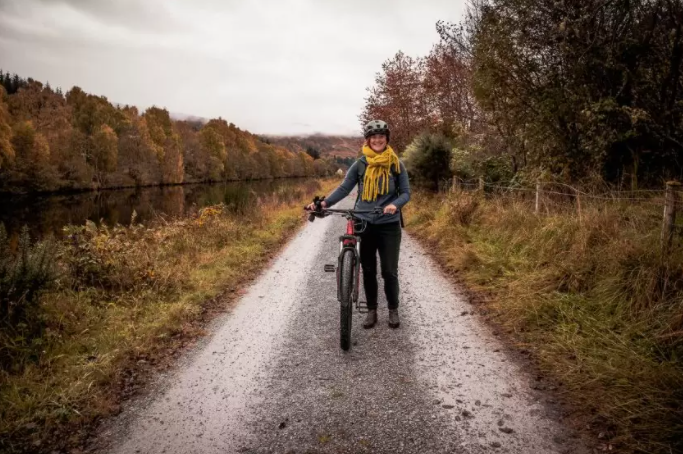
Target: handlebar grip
{"x": 317, "y": 212}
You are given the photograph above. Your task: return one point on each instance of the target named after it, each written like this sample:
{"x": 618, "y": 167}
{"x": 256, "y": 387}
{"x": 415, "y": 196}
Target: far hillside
{"x": 345, "y": 148}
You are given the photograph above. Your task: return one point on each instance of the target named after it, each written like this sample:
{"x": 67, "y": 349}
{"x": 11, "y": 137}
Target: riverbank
{"x": 47, "y": 214}
{"x": 22, "y": 191}
{"x": 126, "y": 302}
{"x": 589, "y": 299}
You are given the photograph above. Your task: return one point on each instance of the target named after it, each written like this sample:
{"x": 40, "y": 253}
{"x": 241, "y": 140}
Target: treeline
{"x": 51, "y": 141}
{"x": 584, "y": 91}
{"x": 323, "y": 145}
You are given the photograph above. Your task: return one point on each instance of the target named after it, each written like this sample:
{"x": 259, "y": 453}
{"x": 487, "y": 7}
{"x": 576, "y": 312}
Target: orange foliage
{"x": 49, "y": 141}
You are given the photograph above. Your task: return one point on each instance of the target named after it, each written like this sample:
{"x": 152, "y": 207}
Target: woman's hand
{"x": 390, "y": 209}
{"x": 311, "y": 207}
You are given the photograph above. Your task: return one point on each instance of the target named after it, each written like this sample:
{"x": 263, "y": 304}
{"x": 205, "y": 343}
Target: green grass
{"x": 592, "y": 300}
{"x": 128, "y": 298}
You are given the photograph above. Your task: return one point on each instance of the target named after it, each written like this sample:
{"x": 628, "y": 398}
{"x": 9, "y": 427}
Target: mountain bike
{"x": 348, "y": 265}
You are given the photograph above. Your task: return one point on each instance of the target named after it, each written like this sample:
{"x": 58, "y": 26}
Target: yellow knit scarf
{"x": 379, "y": 165}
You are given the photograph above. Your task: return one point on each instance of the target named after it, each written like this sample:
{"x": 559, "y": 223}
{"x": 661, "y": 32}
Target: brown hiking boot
{"x": 394, "y": 321}
{"x": 370, "y": 319}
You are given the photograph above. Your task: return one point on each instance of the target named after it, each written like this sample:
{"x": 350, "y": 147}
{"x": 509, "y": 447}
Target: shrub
{"x": 427, "y": 159}
{"x": 24, "y": 275}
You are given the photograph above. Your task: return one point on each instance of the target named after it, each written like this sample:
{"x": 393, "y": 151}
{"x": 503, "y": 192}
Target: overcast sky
{"x": 272, "y": 67}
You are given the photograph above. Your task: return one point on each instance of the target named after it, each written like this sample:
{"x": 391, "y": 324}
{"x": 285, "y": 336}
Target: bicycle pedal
{"x": 330, "y": 268}
{"x": 362, "y": 307}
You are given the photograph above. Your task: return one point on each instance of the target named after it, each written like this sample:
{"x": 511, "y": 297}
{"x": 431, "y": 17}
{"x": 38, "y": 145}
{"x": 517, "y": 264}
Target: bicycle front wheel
{"x": 346, "y": 291}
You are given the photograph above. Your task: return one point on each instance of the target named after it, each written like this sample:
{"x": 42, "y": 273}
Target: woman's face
{"x": 378, "y": 142}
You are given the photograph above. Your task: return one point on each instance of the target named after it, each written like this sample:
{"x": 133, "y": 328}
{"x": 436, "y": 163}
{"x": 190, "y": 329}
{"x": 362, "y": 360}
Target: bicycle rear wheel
{"x": 346, "y": 292}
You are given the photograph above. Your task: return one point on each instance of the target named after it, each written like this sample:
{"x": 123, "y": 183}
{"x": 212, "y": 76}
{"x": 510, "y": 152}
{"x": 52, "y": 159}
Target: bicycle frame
{"x": 351, "y": 240}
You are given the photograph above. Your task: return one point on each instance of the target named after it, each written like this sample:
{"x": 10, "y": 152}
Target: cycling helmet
{"x": 376, "y": 127}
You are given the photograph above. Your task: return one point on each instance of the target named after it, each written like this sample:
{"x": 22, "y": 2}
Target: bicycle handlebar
{"x": 321, "y": 212}
{"x": 351, "y": 211}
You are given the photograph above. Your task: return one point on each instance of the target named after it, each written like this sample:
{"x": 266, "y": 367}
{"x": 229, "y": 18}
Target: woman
{"x": 382, "y": 181}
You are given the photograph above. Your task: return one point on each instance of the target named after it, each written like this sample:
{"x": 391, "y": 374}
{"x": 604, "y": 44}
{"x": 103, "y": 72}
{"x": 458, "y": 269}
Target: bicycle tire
{"x": 346, "y": 292}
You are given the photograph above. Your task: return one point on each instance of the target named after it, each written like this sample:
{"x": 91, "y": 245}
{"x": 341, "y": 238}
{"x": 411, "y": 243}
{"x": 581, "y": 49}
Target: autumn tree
{"x": 214, "y": 149}
{"x": 6, "y": 148}
{"x": 32, "y": 155}
{"x": 167, "y": 144}
{"x": 276, "y": 158}
{"x": 195, "y": 158}
{"x": 138, "y": 155}
{"x": 73, "y": 165}
{"x": 51, "y": 116}
{"x": 447, "y": 87}
{"x": 398, "y": 98}
{"x": 91, "y": 112}
{"x": 104, "y": 152}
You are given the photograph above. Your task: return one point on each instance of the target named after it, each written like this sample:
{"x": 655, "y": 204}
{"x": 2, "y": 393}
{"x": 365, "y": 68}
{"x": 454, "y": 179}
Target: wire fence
{"x": 549, "y": 197}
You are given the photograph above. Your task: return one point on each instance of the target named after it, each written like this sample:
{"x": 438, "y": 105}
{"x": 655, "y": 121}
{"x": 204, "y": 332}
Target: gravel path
{"x": 272, "y": 379}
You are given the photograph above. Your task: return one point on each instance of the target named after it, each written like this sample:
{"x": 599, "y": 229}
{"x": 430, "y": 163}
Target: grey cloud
{"x": 134, "y": 14}
{"x": 267, "y": 66}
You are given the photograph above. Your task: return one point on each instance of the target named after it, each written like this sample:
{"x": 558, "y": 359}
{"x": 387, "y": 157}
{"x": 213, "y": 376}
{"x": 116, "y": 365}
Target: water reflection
{"x": 48, "y": 214}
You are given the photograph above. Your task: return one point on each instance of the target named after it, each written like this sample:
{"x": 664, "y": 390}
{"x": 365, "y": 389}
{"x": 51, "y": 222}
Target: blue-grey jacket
{"x": 399, "y": 196}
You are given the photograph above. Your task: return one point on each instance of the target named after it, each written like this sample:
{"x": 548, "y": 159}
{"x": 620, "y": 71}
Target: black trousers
{"x": 385, "y": 238}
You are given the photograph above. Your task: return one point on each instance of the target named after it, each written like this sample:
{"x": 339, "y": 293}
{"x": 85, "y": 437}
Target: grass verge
{"x": 127, "y": 299}
{"x": 590, "y": 297}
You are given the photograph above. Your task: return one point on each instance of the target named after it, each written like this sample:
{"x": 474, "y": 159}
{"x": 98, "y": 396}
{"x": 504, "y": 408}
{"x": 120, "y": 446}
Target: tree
{"x": 448, "y": 90}
{"x": 195, "y": 159}
{"x": 167, "y": 143}
{"x": 313, "y": 152}
{"x": 398, "y": 98}
{"x": 216, "y": 154}
{"x": 581, "y": 87}
{"x": 428, "y": 158}
{"x": 172, "y": 165}
{"x": 138, "y": 154}
{"x": 32, "y": 156}
{"x": 91, "y": 112}
{"x": 73, "y": 164}
{"x": 104, "y": 152}
{"x": 6, "y": 148}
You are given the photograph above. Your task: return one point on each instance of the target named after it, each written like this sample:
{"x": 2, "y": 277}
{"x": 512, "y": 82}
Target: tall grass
{"x": 125, "y": 298}
{"x": 591, "y": 297}
{"x": 26, "y": 271}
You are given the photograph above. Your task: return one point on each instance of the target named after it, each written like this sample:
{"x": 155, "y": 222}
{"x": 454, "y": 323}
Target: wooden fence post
{"x": 578, "y": 203}
{"x": 481, "y": 184}
{"x": 455, "y": 186}
{"x": 670, "y": 206}
{"x": 538, "y": 197}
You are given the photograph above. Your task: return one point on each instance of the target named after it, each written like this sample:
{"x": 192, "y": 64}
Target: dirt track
{"x": 272, "y": 379}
